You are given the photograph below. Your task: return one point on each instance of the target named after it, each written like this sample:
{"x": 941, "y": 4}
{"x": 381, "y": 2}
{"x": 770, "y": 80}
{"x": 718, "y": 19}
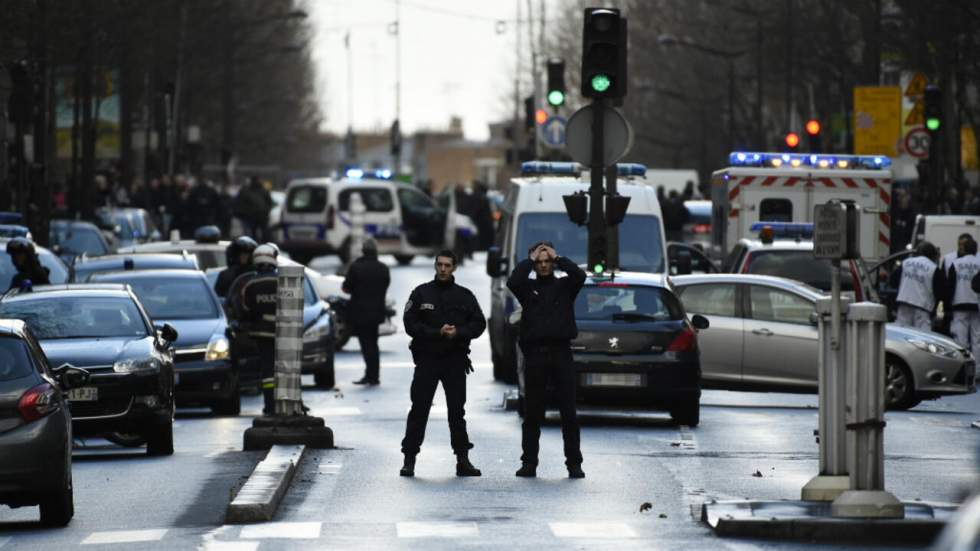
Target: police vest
{"x": 258, "y": 296}
{"x": 916, "y": 285}
{"x": 966, "y": 266}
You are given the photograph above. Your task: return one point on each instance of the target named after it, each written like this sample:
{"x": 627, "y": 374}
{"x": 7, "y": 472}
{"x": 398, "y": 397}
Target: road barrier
{"x": 289, "y": 341}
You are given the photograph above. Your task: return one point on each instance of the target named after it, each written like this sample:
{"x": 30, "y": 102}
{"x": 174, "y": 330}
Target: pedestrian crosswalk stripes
{"x": 589, "y": 530}
{"x": 439, "y": 529}
{"x": 124, "y": 536}
{"x": 289, "y": 530}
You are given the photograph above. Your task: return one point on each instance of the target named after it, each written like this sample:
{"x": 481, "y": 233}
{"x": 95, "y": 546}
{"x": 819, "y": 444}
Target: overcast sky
{"x": 453, "y": 61}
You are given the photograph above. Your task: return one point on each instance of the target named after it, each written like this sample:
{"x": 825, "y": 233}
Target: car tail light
{"x": 683, "y": 342}
{"x": 702, "y": 228}
{"x": 330, "y": 215}
{"x": 37, "y": 402}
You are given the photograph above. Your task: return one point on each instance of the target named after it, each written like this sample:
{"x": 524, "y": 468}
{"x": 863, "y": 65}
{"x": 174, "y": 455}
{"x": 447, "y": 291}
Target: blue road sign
{"x": 552, "y": 132}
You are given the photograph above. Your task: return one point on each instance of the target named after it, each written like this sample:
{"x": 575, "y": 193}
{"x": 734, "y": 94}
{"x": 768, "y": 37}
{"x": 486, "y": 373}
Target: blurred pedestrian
{"x": 367, "y": 283}
{"x": 921, "y": 284}
{"x": 252, "y": 207}
{"x": 482, "y": 216}
{"x": 24, "y": 257}
{"x": 202, "y": 204}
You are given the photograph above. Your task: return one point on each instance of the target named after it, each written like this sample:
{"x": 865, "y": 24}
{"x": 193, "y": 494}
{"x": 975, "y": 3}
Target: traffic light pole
{"x": 597, "y": 219}
{"x": 612, "y": 231}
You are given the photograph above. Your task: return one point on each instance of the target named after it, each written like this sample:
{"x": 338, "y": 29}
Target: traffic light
{"x": 396, "y": 138}
{"x": 933, "y": 108}
{"x": 556, "y": 82}
{"x": 603, "y": 54}
{"x": 577, "y": 207}
{"x": 21, "y": 100}
{"x": 792, "y": 140}
{"x": 813, "y": 129}
{"x": 529, "y": 113}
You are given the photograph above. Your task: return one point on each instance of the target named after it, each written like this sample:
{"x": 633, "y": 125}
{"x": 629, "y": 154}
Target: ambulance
{"x": 784, "y": 187}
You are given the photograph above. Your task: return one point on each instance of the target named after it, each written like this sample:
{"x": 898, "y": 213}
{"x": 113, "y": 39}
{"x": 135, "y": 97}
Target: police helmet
{"x": 20, "y": 245}
{"x": 265, "y": 254}
{"x": 239, "y": 245}
{"x": 207, "y": 234}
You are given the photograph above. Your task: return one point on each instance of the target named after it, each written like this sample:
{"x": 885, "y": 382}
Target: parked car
{"x": 186, "y": 300}
{"x": 697, "y": 229}
{"x": 764, "y": 337}
{"x": 636, "y": 346}
{"x": 210, "y": 253}
{"x": 73, "y": 238}
{"x": 130, "y": 225}
{"x": 58, "y": 272}
{"x": 318, "y": 333}
{"x": 683, "y": 259}
{"x": 104, "y": 330}
{"x": 35, "y": 426}
{"x": 85, "y": 267}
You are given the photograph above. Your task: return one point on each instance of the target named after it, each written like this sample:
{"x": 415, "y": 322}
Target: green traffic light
{"x": 556, "y": 97}
{"x": 601, "y": 83}
{"x": 598, "y": 269}
{"x": 932, "y": 124}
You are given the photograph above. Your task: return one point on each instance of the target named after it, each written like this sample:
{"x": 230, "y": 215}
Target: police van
{"x": 534, "y": 210}
{"x": 405, "y": 222}
{"x": 784, "y": 187}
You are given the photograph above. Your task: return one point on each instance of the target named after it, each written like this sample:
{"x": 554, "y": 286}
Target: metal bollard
{"x": 357, "y": 210}
{"x": 867, "y": 498}
{"x": 289, "y": 340}
{"x": 833, "y": 478}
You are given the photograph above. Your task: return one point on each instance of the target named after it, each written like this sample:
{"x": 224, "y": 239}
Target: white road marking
{"x": 329, "y": 468}
{"x": 230, "y": 546}
{"x": 338, "y": 411}
{"x": 604, "y": 530}
{"x": 291, "y": 530}
{"x": 124, "y": 536}
{"x": 437, "y": 529}
{"x": 214, "y": 454}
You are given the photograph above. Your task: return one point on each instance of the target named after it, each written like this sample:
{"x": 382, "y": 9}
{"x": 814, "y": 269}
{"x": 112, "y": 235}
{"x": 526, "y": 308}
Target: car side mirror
{"x": 496, "y": 264}
{"x": 70, "y": 377}
{"x": 700, "y": 322}
{"x": 168, "y": 333}
{"x": 683, "y": 264}
{"x": 814, "y": 319}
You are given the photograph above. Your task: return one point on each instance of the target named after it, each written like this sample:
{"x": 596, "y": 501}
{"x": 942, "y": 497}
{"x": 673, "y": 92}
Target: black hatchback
{"x": 636, "y": 346}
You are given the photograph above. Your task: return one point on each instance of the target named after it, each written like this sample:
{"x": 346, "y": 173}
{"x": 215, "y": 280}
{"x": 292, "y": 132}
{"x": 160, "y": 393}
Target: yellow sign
{"x": 968, "y": 148}
{"x": 916, "y": 116}
{"x": 917, "y": 86}
{"x": 877, "y": 120}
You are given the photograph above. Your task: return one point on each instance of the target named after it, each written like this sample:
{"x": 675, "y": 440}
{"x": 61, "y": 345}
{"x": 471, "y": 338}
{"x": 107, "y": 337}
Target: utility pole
{"x": 517, "y": 86}
{"x": 173, "y": 129}
{"x": 396, "y": 168}
{"x": 40, "y": 191}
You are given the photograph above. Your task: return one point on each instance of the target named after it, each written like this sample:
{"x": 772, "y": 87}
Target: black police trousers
{"x": 429, "y": 372}
{"x": 367, "y": 339}
{"x": 543, "y": 364}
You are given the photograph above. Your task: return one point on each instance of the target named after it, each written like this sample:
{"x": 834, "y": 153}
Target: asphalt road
{"x": 352, "y": 497}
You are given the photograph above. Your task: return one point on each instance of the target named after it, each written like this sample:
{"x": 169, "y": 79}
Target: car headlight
{"x": 320, "y": 329}
{"x": 934, "y": 348}
{"x": 136, "y": 365}
{"x": 218, "y": 349}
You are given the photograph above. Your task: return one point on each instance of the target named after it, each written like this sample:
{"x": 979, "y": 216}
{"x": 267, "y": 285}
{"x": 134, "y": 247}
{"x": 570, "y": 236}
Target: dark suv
{"x": 104, "y": 329}
{"x": 35, "y": 426}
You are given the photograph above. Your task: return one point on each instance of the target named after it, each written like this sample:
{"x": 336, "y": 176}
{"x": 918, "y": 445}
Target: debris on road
{"x": 757, "y": 474}
{"x": 645, "y": 506}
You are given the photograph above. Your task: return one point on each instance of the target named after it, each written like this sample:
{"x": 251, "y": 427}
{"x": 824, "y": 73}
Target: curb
{"x": 259, "y": 497}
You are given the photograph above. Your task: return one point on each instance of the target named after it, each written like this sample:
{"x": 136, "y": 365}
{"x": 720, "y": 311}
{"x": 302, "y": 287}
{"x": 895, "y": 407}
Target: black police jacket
{"x": 38, "y": 275}
{"x": 547, "y": 304}
{"x": 367, "y": 282}
{"x": 252, "y": 301}
{"x": 435, "y": 304}
{"x": 226, "y": 277}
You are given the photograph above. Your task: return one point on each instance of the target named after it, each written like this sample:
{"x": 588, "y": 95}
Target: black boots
{"x": 575, "y": 471}
{"x": 408, "y": 469}
{"x": 527, "y": 470}
{"x": 464, "y": 467}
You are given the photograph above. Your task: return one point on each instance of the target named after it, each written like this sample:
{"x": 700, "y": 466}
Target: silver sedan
{"x": 763, "y": 336}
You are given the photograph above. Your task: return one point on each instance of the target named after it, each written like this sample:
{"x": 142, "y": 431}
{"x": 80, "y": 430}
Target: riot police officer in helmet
{"x": 24, "y": 257}
{"x": 238, "y": 255}
{"x": 252, "y": 309}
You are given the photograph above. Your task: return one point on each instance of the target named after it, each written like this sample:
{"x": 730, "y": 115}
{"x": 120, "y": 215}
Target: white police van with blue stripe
{"x": 404, "y": 221}
{"x": 535, "y": 211}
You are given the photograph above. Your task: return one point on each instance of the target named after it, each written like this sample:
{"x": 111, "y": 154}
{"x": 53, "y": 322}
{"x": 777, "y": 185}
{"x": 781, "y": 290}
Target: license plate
{"x": 84, "y": 394}
{"x": 614, "y": 379}
{"x": 302, "y": 232}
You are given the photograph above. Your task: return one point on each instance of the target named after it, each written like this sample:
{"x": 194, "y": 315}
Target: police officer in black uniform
{"x": 442, "y": 318}
{"x": 252, "y": 305}
{"x": 26, "y": 262}
{"x": 238, "y": 256}
{"x": 547, "y": 328}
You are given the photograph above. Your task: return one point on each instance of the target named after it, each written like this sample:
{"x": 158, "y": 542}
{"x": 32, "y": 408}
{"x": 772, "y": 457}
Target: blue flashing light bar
{"x": 357, "y": 174}
{"x": 546, "y": 168}
{"x": 785, "y": 229}
{"x": 808, "y": 160}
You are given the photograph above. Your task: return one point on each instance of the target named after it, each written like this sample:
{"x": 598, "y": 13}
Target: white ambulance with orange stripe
{"x": 784, "y": 187}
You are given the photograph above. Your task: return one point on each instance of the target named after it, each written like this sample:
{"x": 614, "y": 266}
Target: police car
{"x": 316, "y": 218}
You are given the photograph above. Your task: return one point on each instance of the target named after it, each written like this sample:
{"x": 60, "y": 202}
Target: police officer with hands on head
{"x": 24, "y": 257}
{"x": 547, "y": 328}
{"x": 367, "y": 282}
{"x": 921, "y": 284}
{"x": 238, "y": 256}
{"x": 962, "y": 299}
{"x": 252, "y": 310}
{"x": 951, "y": 256}
{"x": 442, "y": 318}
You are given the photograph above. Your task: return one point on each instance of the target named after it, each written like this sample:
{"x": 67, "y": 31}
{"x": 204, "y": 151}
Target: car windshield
{"x": 798, "y": 265}
{"x": 170, "y": 298}
{"x": 640, "y": 241}
{"x": 626, "y": 302}
{"x": 14, "y": 360}
{"x": 57, "y": 273}
{"x": 77, "y": 240}
{"x": 73, "y": 317}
